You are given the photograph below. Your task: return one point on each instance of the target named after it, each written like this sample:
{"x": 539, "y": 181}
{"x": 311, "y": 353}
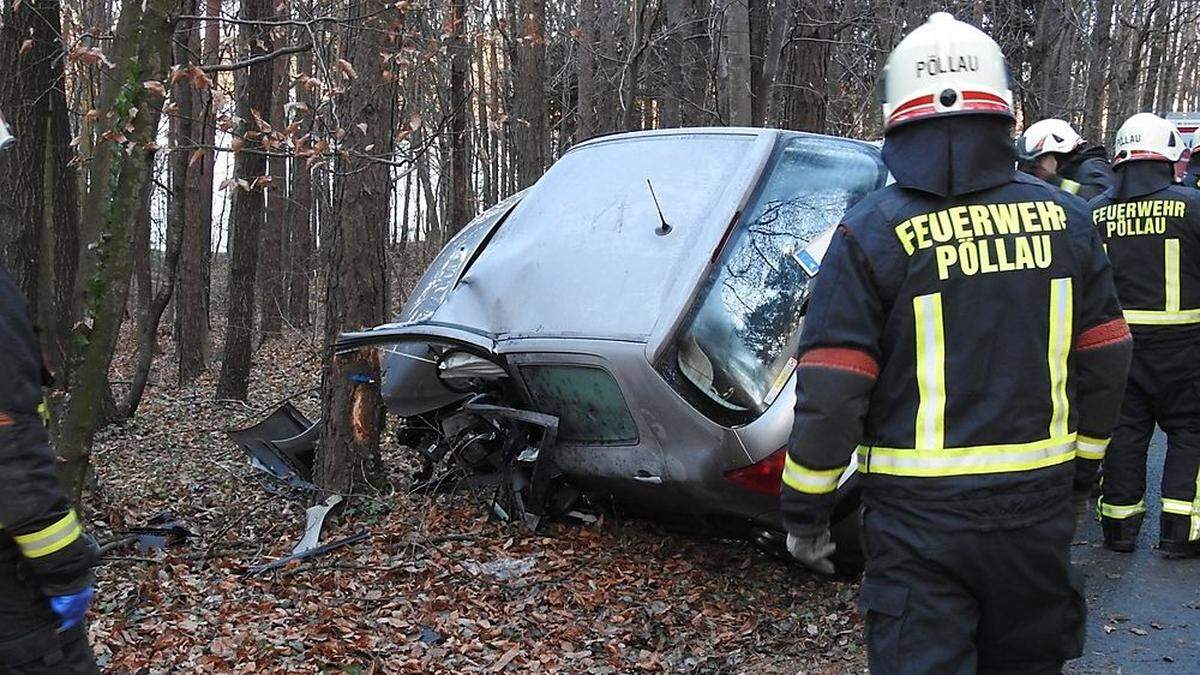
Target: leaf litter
{"x": 436, "y": 588}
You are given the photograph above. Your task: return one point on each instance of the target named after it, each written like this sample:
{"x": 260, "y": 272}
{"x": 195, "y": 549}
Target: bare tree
{"x": 247, "y": 185}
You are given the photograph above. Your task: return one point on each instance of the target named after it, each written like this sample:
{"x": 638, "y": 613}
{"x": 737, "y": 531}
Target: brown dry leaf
{"x": 346, "y": 69}
{"x": 25, "y": 47}
{"x": 155, "y": 87}
{"x": 196, "y": 156}
{"x": 237, "y": 144}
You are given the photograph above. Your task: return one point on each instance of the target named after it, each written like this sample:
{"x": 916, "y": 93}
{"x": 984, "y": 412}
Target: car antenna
{"x": 664, "y": 227}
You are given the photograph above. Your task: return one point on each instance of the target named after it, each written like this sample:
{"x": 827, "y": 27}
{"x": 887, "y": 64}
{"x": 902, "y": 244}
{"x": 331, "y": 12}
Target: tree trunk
{"x": 119, "y": 171}
{"x": 737, "y": 63}
{"x": 183, "y": 132}
{"x": 461, "y": 203}
{"x": 807, "y": 108}
{"x": 356, "y": 292}
{"x": 271, "y": 270}
{"x": 778, "y": 26}
{"x": 193, "y": 343}
{"x": 1098, "y": 64}
{"x": 529, "y": 81}
{"x": 300, "y": 220}
{"x": 25, "y": 107}
{"x": 61, "y": 209}
{"x": 585, "y": 71}
{"x": 247, "y": 212}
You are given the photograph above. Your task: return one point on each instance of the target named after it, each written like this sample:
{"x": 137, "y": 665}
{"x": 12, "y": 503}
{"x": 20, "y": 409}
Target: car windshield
{"x": 738, "y": 346}
{"x": 437, "y": 281}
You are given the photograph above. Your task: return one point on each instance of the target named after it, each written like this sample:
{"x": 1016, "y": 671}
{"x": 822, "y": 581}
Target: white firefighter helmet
{"x": 1046, "y": 136}
{"x": 944, "y": 67}
{"x": 6, "y": 137}
{"x": 1146, "y": 136}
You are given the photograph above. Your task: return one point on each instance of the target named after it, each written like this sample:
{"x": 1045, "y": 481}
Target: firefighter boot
{"x": 1175, "y": 541}
{"x": 1121, "y": 534}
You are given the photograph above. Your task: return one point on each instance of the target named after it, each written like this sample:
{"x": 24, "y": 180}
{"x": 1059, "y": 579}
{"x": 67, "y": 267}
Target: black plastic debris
{"x": 284, "y": 444}
{"x": 162, "y": 531}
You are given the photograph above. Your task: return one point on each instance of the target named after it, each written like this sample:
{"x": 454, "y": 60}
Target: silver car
{"x": 628, "y": 326}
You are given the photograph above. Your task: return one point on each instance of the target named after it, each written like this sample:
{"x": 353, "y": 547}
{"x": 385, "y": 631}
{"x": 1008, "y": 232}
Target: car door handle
{"x": 646, "y": 477}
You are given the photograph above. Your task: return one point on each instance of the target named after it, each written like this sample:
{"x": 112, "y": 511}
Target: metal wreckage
{"x": 622, "y": 333}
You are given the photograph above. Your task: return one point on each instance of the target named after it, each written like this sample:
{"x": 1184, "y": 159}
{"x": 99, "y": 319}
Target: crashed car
{"x": 626, "y": 329}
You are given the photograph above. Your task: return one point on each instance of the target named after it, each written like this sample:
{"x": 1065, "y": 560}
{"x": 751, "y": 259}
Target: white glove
{"x": 813, "y": 552}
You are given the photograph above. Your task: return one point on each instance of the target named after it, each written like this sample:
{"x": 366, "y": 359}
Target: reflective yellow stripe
{"x": 1119, "y": 512}
{"x": 1090, "y": 448}
{"x": 974, "y": 460}
{"x": 1070, "y": 186}
{"x": 1156, "y": 318}
{"x": 1058, "y": 347}
{"x": 50, "y": 539}
{"x": 1178, "y": 507}
{"x": 931, "y": 371}
{"x": 1171, "y": 273}
{"x": 810, "y": 481}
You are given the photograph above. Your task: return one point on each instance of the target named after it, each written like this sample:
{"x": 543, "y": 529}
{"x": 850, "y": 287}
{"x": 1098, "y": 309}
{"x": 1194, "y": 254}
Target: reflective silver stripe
{"x": 810, "y": 481}
{"x": 931, "y": 371}
{"x": 1152, "y": 317}
{"x": 50, "y": 539}
{"x": 967, "y": 461}
{"x": 1090, "y": 448}
{"x": 1171, "y": 274}
{"x": 1119, "y": 511}
{"x": 1058, "y": 347}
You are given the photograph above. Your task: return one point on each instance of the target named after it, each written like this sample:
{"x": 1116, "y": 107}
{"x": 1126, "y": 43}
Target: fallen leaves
{"x": 439, "y": 587}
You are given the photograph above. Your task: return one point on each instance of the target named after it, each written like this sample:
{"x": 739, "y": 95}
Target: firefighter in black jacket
{"x": 1191, "y": 178}
{"x": 45, "y": 561}
{"x": 1151, "y": 228}
{"x": 964, "y": 335}
{"x": 1053, "y": 151}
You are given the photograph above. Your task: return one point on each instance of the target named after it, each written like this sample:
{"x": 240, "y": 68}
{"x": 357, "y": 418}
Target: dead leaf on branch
{"x": 155, "y": 87}
{"x": 26, "y": 46}
{"x": 346, "y": 69}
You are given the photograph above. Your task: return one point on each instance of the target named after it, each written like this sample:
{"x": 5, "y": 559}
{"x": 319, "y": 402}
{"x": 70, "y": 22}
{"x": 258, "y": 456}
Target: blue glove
{"x": 71, "y": 608}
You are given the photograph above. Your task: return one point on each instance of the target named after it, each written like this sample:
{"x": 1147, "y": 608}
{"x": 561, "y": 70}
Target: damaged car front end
{"x": 626, "y": 328}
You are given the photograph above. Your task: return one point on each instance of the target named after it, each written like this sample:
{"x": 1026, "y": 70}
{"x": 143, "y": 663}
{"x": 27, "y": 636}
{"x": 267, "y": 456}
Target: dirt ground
{"x": 437, "y": 586}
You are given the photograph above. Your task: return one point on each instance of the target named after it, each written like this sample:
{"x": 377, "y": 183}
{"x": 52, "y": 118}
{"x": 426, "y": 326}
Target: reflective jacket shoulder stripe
{"x": 810, "y": 481}
{"x": 1070, "y": 186}
{"x": 50, "y": 539}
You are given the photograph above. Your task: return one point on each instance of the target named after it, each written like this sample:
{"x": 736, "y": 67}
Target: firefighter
{"x": 1053, "y": 151}
{"x": 964, "y": 335}
{"x": 1191, "y": 178}
{"x": 1151, "y": 228}
{"x": 45, "y": 560}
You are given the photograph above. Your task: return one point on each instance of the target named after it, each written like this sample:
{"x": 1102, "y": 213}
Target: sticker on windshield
{"x": 780, "y": 380}
{"x": 808, "y": 263}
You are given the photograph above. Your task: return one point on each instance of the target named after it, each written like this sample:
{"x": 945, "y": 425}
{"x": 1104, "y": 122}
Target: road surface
{"x": 1143, "y": 610}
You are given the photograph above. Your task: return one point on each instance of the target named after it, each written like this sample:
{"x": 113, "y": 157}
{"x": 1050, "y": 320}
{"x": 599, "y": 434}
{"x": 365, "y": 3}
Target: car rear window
{"x": 587, "y": 401}
{"x": 737, "y": 348}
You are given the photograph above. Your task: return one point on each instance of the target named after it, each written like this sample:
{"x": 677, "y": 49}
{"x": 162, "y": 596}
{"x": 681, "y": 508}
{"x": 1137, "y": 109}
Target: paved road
{"x": 1143, "y": 610}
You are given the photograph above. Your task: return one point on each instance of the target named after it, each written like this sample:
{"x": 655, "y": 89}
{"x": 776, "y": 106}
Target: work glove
{"x": 813, "y": 551}
{"x": 71, "y": 608}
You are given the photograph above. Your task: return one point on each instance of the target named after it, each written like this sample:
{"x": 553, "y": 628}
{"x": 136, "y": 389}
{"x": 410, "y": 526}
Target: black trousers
{"x": 30, "y": 642}
{"x": 963, "y": 602}
{"x": 1163, "y": 389}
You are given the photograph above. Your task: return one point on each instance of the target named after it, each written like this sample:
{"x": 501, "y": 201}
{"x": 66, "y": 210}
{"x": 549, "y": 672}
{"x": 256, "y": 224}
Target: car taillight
{"x": 762, "y": 476}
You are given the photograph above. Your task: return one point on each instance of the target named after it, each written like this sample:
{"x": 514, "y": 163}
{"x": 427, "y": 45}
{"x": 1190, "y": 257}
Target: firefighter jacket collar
{"x": 951, "y": 156}
{"x": 1138, "y": 179}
